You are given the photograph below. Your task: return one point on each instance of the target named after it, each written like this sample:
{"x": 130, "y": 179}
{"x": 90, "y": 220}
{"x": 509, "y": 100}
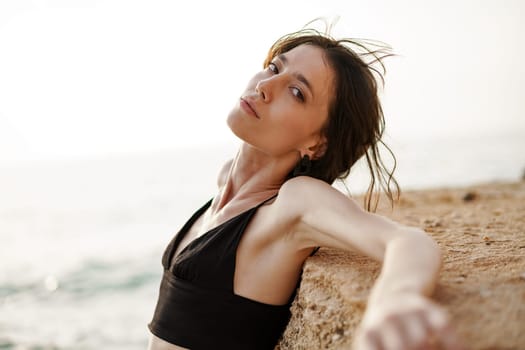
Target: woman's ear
{"x": 319, "y": 149}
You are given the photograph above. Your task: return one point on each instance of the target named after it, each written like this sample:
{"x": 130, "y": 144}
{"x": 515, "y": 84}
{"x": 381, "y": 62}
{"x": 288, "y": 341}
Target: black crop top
{"x": 197, "y": 307}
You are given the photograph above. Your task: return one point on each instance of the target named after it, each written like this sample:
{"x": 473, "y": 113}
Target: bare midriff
{"x": 155, "y": 343}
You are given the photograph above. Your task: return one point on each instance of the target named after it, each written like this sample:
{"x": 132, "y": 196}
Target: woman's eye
{"x": 298, "y": 94}
{"x": 273, "y": 68}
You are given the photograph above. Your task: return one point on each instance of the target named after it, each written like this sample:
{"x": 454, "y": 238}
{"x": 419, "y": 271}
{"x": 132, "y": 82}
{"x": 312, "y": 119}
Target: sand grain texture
{"x": 481, "y": 231}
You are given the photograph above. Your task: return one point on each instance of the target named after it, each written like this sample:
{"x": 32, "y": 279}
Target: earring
{"x": 303, "y": 167}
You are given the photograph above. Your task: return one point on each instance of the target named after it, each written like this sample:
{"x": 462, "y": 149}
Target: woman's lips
{"x": 248, "y": 108}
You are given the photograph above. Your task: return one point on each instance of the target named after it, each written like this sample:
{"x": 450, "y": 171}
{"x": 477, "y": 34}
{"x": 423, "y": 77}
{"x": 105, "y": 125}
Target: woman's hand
{"x": 405, "y": 321}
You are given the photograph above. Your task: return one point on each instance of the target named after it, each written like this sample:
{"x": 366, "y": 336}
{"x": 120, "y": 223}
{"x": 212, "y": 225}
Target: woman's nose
{"x": 264, "y": 89}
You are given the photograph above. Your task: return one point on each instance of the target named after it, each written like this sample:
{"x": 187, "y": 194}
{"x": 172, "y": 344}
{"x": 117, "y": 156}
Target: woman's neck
{"x": 254, "y": 176}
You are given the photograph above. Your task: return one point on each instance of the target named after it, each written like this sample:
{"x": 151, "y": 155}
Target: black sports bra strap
{"x": 172, "y": 247}
{"x": 266, "y": 201}
{"x": 316, "y": 249}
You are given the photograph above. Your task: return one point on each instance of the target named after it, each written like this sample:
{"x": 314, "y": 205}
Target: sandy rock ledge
{"x": 481, "y": 231}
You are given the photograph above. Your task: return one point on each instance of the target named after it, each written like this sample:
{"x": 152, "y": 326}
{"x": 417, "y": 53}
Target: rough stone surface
{"x": 481, "y": 231}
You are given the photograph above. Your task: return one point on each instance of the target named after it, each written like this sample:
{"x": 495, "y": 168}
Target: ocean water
{"x": 81, "y": 240}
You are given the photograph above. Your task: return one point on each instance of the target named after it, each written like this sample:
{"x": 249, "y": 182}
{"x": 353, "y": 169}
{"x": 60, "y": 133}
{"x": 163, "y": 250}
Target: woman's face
{"x": 285, "y": 105}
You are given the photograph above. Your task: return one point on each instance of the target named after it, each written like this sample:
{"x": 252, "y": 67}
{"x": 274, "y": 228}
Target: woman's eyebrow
{"x": 299, "y": 76}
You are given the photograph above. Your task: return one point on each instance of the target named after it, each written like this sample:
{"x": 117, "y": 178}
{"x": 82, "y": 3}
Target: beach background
{"x": 112, "y": 131}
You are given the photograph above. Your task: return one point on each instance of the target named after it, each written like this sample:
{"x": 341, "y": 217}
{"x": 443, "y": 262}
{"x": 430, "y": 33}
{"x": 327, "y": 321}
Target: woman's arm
{"x": 399, "y": 314}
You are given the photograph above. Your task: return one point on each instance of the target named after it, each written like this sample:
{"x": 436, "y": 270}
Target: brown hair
{"x": 355, "y": 122}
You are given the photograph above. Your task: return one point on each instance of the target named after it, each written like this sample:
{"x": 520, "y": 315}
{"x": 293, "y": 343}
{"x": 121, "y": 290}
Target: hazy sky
{"x": 84, "y": 77}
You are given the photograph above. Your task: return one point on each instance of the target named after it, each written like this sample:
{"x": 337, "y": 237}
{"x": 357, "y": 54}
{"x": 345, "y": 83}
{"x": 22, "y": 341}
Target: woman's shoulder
{"x": 306, "y": 195}
{"x": 303, "y": 188}
{"x": 302, "y": 192}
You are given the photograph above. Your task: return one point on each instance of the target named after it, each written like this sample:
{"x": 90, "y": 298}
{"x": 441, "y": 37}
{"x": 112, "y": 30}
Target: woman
{"x": 232, "y": 271}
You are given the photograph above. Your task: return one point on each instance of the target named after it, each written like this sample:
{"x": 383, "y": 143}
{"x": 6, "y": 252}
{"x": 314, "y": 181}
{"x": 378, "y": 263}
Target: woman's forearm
{"x": 399, "y": 314}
